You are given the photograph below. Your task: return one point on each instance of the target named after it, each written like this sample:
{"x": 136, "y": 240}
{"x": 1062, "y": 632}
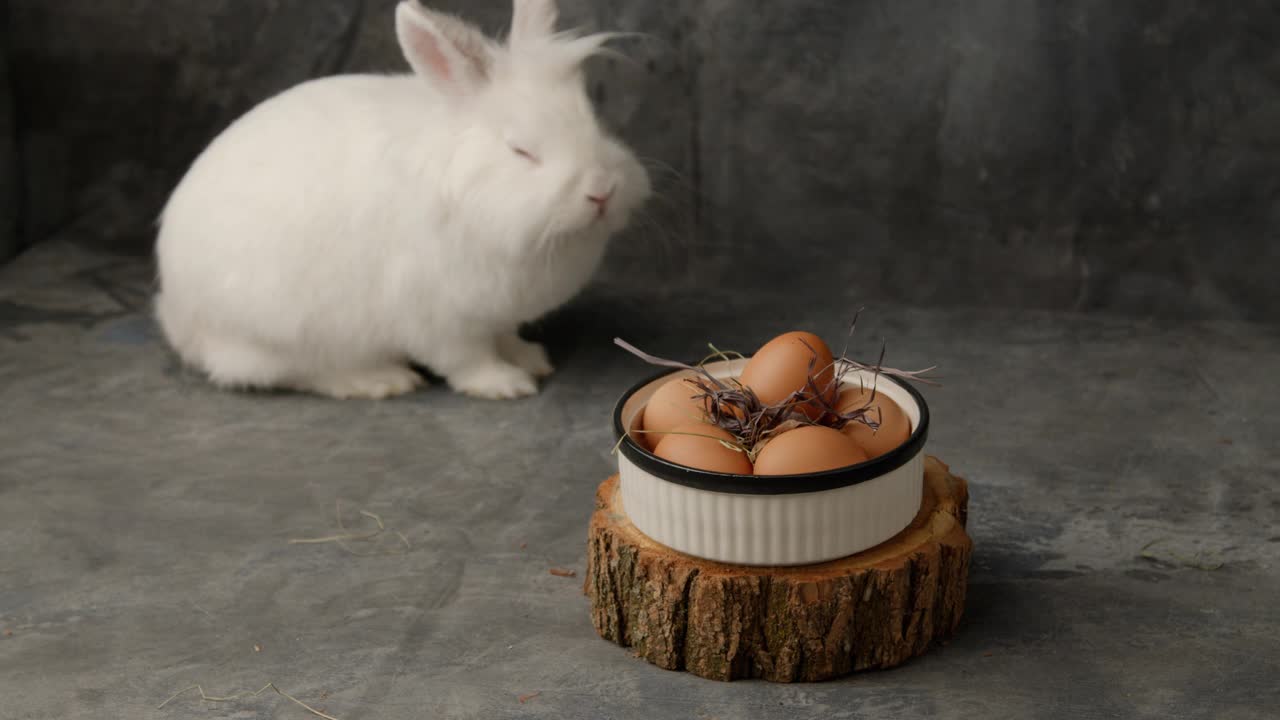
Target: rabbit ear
{"x": 446, "y": 51}
{"x": 533, "y": 19}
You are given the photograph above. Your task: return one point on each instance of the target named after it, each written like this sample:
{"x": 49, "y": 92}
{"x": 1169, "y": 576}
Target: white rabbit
{"x": 354, "y": 224}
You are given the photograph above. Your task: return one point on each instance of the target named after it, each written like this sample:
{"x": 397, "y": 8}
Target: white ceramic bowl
{"x": 772, "y": 520}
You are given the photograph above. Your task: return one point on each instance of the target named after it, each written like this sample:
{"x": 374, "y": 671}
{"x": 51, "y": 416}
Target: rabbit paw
{"x": 529, "y": 356}
{"x": 375, "y": 384}
{"x": 494, "y": 381}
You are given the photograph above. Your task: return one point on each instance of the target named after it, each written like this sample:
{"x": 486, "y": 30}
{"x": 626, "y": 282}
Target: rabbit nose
{"x": 600, "y": 200}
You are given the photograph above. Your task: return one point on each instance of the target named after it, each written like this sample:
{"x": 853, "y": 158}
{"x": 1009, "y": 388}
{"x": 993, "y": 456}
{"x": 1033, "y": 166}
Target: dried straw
{"x": 736, "y": 408}
{"x": 341, "y": 539}
{"x": 245, "y": 695}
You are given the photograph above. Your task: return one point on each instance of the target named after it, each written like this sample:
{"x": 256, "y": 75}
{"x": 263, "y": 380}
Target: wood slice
{"x": 875, "y": 609}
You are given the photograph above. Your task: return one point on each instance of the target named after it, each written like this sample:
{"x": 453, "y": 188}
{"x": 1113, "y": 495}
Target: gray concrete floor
{"x": 145, "y": 520}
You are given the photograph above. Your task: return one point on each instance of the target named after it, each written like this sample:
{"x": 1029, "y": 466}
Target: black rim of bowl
{"x": 771, "y": 484}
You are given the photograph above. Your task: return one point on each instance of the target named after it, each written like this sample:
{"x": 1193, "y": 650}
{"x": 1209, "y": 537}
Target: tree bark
{"x": 875, "y": 609}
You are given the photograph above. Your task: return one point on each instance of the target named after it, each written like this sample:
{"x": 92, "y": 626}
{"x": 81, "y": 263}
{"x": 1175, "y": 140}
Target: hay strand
{"x": 342, "y": 538}
{"x": 737, "y": 409}
{"x": 245, "y": 696}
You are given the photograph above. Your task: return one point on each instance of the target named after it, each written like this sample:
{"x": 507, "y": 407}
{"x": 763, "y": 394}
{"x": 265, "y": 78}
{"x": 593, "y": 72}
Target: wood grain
{"x": 875, "y": 609}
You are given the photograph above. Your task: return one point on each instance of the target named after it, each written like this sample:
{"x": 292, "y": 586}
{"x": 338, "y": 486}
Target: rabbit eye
{"x": 524, "y": 154}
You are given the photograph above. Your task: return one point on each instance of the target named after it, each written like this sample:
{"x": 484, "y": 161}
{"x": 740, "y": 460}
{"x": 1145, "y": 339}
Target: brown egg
{"x": 895, "y": 426}
{"x": 674, "y": 404}
{"x": 702, "y": 450}
{"x": 782, "y": 367}
{"x": 806, "y": 449}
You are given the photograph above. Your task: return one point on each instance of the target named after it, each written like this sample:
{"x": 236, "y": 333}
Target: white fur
{"x": 354, "y": 224}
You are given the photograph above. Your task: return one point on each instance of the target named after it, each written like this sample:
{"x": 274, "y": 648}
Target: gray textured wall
{"x": 1087, "y": 154}
{"x": 8, "y": 160}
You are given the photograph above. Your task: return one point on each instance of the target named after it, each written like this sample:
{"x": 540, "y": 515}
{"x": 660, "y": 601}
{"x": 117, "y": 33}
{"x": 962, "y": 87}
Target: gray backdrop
{"x": 972, "y": 171}
{"x": 8, "y": 164}
{"x": 1079, "y": 155}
